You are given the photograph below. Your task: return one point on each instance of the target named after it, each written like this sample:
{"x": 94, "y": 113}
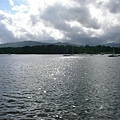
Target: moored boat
{"x": 113, "y": 55}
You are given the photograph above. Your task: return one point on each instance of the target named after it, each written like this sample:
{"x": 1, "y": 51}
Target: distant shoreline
{"x": 60, "y": 49}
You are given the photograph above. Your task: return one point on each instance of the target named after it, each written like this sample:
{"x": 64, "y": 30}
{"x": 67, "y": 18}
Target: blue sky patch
{"x": 4, "y": 5}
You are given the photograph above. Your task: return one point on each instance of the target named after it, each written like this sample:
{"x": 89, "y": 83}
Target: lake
{"x": 53, "y": 87}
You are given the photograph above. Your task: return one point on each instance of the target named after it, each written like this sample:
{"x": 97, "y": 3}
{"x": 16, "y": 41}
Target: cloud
{"x": 58, "y": 14}
{"x": 21, "y": 8}
{"x": 112, "y": 34}
{"x": 62, "y": 18}
{"x": 76, "y": 21}
{"x": 5, "y": 34}
{"x": 114, "y": 6}
{"x": 11, "y": 2}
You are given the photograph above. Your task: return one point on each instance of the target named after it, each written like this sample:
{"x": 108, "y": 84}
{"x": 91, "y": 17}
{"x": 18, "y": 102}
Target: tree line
{"x": 60, "y": 49}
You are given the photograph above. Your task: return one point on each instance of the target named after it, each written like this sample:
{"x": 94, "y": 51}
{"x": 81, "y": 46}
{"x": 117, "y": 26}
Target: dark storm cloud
{"x": 112, "y": 34}
{"x": 57, "y": 15}
{"x": 83, "y": 39}
{"x": 83, "y": 16}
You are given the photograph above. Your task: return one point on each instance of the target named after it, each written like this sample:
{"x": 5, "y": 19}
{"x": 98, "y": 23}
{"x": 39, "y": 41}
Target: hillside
{"x": 29, "y": 43}
{"x": 22, "y": 44}
{"x": 35, "y": 43}
{"x": 113, "y": 44}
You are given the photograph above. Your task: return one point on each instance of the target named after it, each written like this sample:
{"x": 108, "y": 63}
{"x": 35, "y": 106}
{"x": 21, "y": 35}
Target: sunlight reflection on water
{"x": 77, "y": 87}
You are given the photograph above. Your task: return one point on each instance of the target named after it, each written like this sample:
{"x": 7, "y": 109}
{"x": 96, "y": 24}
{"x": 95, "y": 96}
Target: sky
{"x": 75, "y": 21}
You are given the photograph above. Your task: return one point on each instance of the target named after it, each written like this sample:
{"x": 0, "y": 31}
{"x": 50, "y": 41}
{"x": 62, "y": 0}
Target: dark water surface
{"x": 53, "y": 87}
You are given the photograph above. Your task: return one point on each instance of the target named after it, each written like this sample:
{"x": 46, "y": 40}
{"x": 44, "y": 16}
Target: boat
{"x": 69, "y": 54}
{"x": 66, "y": 55}
{"x": 113, "y": 55}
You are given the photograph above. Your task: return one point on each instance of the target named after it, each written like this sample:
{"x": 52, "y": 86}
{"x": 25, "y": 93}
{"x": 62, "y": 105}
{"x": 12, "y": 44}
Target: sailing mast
{"x": 113, "y": 55}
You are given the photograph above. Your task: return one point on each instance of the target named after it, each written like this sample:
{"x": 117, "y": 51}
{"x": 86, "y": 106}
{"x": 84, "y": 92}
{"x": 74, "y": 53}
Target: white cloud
{"x": 21, "y": 8}
{"x": 11, "y": 2}
{"x": 78, "y": 21}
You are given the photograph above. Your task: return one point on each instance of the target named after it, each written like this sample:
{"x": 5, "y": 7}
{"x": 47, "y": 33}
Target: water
{"x": 53, "y": 87}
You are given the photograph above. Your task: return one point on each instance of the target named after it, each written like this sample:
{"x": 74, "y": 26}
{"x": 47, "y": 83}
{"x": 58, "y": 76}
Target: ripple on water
{"x": 59, "y": 88}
